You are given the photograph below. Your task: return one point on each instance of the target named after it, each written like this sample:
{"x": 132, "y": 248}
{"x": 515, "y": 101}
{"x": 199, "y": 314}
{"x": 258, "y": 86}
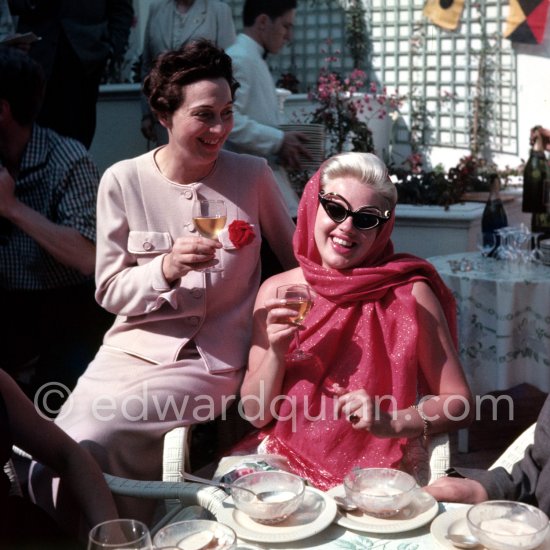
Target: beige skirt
{"x": 122, "y": 406}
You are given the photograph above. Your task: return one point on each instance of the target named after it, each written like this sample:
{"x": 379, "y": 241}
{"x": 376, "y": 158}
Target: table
{"x": 503, "y": 320}
{"x": 335, "y": 537}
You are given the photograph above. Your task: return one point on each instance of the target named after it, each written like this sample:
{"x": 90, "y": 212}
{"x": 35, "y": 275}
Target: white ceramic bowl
{"x": 196, "y": 534}
{"x": 280, "y": 494}
{"x": 507, "y": 525}
{"x": 380, "y": 492}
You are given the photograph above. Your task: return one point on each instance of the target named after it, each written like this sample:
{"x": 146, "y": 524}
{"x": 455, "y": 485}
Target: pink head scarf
{"x": 362, "y": 330}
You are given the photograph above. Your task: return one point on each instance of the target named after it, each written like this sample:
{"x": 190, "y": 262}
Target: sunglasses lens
{"x": 362, "y": 220}
{"x": 336, "y": 211}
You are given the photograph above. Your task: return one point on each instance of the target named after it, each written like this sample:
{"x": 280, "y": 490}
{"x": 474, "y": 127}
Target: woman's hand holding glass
{"x": 209, "y": 217}
{"x": 188, "y": 254}
{"x": 297, "y": 298}
{"x": 280, "y": 330}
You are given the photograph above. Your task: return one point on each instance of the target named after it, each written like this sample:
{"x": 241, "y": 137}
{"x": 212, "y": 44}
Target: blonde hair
{"x": 365, "y": 167}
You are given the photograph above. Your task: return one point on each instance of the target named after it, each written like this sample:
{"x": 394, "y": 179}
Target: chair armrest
{"x": 175, "y": 456}
{"x": 15, "y": 486}
{"x": 439, "y": 451}
{"x": 210, "y": 498}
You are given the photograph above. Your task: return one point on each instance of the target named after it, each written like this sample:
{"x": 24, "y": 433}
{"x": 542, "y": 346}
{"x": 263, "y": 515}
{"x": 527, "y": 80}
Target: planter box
{"x": 433, "y": 231}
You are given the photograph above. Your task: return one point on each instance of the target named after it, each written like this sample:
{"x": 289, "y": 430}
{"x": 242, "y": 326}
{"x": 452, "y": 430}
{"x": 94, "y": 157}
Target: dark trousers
{"x": 53, "y": 334}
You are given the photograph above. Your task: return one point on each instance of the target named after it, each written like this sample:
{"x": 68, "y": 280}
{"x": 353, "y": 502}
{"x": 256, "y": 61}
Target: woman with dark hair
{"x": 170, "y": 25}
{"x": 176, "y": 351}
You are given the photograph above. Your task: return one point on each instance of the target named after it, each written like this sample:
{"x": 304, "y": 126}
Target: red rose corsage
{"x": 241, "y": 233}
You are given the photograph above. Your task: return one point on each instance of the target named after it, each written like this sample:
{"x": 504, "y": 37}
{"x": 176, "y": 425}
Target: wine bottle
{"x": 494, "y": 216}
{"x": 534, "y": 175}
{"x": 540, "y": 222}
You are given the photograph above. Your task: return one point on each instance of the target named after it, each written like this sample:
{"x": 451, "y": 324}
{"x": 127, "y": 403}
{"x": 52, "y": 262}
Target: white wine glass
{"x": 120, "y": 534}
{"x": 209, "y": 217}
{"x": 298, "y": 297}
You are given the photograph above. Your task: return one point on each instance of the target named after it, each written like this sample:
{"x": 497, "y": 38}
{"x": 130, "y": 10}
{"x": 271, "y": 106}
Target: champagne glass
{"x": 486, "y": 243}
{"x": 536, "y": 255}
{"x": 299, "y": 298}
{"x": 120, "y": 534}
{"x": 209, "y": 217}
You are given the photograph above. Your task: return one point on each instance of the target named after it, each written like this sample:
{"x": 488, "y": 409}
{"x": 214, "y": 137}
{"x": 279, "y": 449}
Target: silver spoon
{"x": 264, "y": 496}
{"x": 460, "y": 536}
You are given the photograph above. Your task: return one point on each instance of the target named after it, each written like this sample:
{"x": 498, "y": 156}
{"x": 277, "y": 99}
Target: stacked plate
{"x": 544, "y": 246}
{"x": 315, "y": 134}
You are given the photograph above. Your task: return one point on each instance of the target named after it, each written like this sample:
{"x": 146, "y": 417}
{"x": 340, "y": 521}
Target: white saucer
{"x": 420, "y": 511}
{"x": 440, "y": 525}
{"x": 316, "y": 513}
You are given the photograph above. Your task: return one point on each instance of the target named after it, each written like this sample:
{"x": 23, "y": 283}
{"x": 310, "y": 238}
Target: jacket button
{"x": 194, "y": 321}
{"x": 196, "y": 293}
{"x": 147, "y": 246}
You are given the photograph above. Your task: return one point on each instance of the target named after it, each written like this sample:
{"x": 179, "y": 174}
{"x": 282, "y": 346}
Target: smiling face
{"x": 341, "y": 245}
{"x": 199, "y": 127}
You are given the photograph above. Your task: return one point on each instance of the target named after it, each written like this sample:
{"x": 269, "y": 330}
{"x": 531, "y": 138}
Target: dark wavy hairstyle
{"x": 197, "y": 60}
{"x": 272, "y": 8}
{"x": 22, "y": 84}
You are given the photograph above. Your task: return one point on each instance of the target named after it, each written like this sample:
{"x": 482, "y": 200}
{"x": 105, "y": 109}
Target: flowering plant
{"x": 241, "y": 233}
{"x": 346, "y": 104}
{"x": 445, "y": 187}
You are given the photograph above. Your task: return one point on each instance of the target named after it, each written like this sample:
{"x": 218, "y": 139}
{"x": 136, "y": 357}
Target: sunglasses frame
{"x": 380, "y": 217}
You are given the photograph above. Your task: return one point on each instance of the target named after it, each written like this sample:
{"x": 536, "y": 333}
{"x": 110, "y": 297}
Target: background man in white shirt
{"x": 268, "y": 27}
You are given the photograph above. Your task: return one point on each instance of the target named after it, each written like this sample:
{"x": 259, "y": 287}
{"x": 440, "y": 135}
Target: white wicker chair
{"x": 15, "y": 486}
{"x": 516, "y": 450}
{"x": 439, "y": 451}
{"x": 183, "y": 493}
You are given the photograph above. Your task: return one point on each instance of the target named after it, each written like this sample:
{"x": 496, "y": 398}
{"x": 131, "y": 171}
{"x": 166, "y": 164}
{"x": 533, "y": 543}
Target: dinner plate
{"x": 422, "y": 509}
{"x": 440, "y": 525}
{"x": 315, "y": 514}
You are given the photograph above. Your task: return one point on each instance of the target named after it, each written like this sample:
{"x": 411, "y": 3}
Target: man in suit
{"x": 529, "y": 480}
{"x": 78, "y": 38}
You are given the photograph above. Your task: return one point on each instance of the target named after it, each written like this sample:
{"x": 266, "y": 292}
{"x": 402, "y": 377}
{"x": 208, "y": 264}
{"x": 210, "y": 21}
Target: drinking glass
{"x": 209, "y": 217}
{"x": 120, "y": 534}
{"x": 300, "y": 298}
{"x": 486, "y": 243}
{"x": 196, "y": 533}
{"x": 504, "y": 249}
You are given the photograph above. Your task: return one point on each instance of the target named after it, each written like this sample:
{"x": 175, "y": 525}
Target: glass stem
{"x": 297, "y": 339}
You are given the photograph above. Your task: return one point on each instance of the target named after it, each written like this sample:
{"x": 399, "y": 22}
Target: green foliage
{"x": 356, "y": 32}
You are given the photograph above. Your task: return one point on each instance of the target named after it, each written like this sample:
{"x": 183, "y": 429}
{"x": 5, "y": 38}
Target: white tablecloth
{"x": 503, "y": 320}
